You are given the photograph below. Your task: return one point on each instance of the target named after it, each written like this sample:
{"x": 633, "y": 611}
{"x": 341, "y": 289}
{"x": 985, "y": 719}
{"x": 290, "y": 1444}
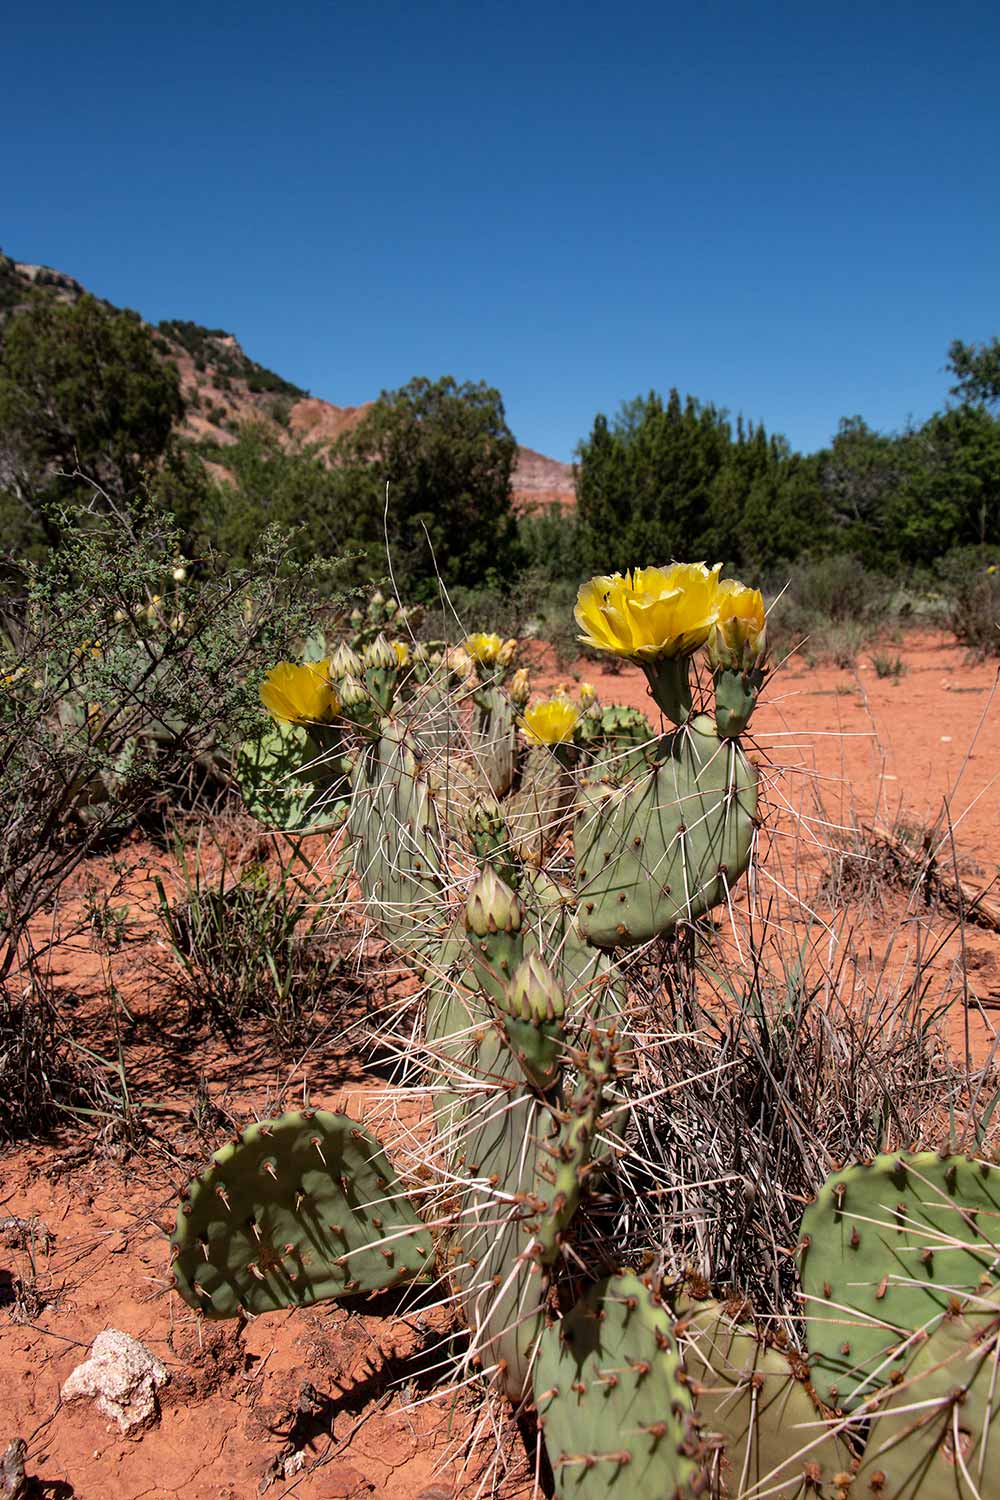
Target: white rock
{"x": 122, "y": 1377}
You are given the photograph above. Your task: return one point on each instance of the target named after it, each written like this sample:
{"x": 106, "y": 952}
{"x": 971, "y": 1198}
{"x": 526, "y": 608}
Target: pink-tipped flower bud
{"x": 491, "y": 905}
{"x": 534, "y": 993}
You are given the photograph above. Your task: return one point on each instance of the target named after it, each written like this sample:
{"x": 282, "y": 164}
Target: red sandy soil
{"x": 864, "y": 748}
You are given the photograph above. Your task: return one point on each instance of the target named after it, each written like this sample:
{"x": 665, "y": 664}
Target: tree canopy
{"x": 446, "y": 454}
{"x": 82, "y": 388}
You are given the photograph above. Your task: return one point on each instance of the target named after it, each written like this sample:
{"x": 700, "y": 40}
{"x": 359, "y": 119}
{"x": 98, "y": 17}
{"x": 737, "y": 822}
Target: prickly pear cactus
{"x": 537, "y": 811}
{"x": 759, "y": 1420}
{"x": 494, "y": 739}
{"x": 887, "y": 1246}
{"x": 532, "y": 1011}
{"x": 612, "y": 1398}
{"x": 619, "y": 743}
{"x": 288, "y": 782}
{"x": 298, "y": 1209}
{"x": 935, "y": 1434}
{"x": 491, "y": 1260}
{"x": 394, "y": 827}
{"x": 669, "y": 846}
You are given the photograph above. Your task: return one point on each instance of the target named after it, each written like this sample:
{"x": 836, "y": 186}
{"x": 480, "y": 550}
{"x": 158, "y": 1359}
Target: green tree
{"x": 81, "y": 389}
{"x": 977, "y": 370}
{"x": 446, "y": 454}
{"x": 645, "y": 480}
{"x": 268, "y": 483}
{"x": 863, "y": 474}
{"x": 951, "y": 494}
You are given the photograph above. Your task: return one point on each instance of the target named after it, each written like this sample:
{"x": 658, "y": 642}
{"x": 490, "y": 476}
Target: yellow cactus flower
{"x": 303, "y": 694}
{"x": 485, "y": 649}
{"x": 738, "y": 637}
{"x": 650, "y": 614}
{"x": 402, "y": 651}
{"x": 550, "y": 722}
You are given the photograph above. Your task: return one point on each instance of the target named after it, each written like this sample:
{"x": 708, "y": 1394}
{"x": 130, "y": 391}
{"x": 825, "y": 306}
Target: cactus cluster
{"x": 513, "y": 876}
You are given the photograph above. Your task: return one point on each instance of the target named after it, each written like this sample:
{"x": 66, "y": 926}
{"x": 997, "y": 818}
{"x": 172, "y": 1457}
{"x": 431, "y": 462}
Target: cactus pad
{"x": 394, "y": 826}
{"x": 758, "y": 1408}
{"x": 886, "y": 1248}
{"x": 298, "y": 1209}
{"x": 288, "y": 781}
{"x": 935, "y": 1434}
{"x": 612, "y": 1400}
{"x": 668, "y": 847}
{"x": 537, "y": 812}
{"x": 501, "y": 1280}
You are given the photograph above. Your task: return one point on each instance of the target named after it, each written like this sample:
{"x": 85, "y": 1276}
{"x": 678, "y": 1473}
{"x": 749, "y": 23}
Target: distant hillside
{"x": 223, "y": 387}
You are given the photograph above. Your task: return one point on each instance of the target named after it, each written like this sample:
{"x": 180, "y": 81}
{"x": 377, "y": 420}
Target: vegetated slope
{"x": 223, "y": 387}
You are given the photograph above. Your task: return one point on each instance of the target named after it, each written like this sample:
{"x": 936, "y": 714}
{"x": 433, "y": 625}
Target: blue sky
{"x": 787, "y": 209}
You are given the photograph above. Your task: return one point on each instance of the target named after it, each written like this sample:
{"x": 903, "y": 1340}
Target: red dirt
{"x": 872, "y": 747}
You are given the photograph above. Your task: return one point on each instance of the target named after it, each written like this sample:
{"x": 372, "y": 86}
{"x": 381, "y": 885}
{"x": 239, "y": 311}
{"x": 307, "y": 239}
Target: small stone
{"x": 122, "y": 1377}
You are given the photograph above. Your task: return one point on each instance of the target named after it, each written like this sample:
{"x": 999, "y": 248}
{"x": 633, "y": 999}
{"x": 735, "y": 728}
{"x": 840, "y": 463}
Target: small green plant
{"x": 891, "y": 667}
{"x": 246, "y": 943}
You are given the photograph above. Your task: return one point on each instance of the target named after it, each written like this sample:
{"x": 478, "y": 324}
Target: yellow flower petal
{"x": 295, "y": 694}
{"x": 550, "y": 722}
{"x": 738, "y": 637}
{"x": 484, "y": 649}
{"x": 649, "y": 614}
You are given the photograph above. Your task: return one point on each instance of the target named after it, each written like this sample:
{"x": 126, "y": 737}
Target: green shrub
{"x": 970, "y": 582}
{"x": 245, "y": 944}
{"x": 116, "y": 679}
{"x": 831, "y": 608}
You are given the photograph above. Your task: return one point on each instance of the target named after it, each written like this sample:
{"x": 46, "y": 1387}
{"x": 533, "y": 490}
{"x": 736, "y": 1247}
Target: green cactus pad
{"x": 494, "y": 739}
{"x": 537, "y": 812}
{"x": 936, "y": 1434}
{"x": 491, "y": 1261}
{"x": 296, "y": 1210}
{"x": 758, "y": 1411}
{"x": 397, "y": 839}
{"x": 619, "y": 742}
{"x": 669, "y": 847}
{"x": 288, "y": 782}
{"x": 612, "y": 1400}
{"x": 886, "y": 1248}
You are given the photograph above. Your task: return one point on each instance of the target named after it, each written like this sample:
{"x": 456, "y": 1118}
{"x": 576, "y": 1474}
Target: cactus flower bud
{"x": 519, "y": 687}
{"x": 507, "y": 652}
{"x": 379, "y": 654}
{"x": 738, "y": 638}
{"x": 344, "y": 662}
{"x": 491, "y": 905}
{"x": 402, "y": 651}
{"x": 485, "y": 819}
{"x": 534, "y": 993}
{"x": 460, "y": 662}
{"x": 352, "y": 693}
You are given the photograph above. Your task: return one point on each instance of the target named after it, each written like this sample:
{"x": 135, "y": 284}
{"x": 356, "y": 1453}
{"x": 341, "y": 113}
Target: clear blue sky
{"x": 788, "y": 209}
